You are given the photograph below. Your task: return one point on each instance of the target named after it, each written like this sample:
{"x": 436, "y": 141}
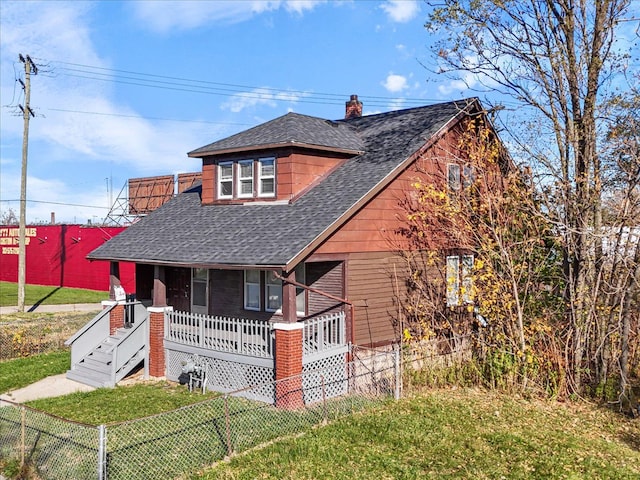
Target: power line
{"x": 58, "y": 203}
{"x": 223, "y": 89}
{"x": 147, "y": 118}
{"x": 231, "y": 87}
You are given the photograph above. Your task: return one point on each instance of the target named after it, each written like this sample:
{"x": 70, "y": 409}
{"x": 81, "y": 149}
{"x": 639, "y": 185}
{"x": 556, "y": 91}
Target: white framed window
{"x": 272, "y": 292}
{"x": 199, "y": 290}
{"x": 453, "y": 177}
{"x": 453, "y": 280}
{"x": 252, "y": 289}
{"x": 466, "y": 274}
{"x": 245, "y": 178}
{"x": 468, "y": 176}
{"x": 301, "y": 293}
{"x": 225, "y": 180}
{"x": 459, "y": 277}
{"x": 267, "y": 177}
{"x": 255, "y": 282}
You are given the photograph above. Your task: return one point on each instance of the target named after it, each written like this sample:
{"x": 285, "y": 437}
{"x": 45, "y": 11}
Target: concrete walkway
{"x": 73, "y": 307}
{"x": 54, "y": 386}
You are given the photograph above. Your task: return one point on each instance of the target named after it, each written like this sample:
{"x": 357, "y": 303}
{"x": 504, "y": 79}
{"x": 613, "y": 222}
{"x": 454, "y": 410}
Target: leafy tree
{"x": 556, "y": 59}
{"x": 511, "y": 284}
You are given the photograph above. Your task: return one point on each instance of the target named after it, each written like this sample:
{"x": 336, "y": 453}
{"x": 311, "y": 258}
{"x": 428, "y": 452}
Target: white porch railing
{"x": 250, "y": 337}
{"x": 324, "y": 333}
{"x": 234, "y": 335}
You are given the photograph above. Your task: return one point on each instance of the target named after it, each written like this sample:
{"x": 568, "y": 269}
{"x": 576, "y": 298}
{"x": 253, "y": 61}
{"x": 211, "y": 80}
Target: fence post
{"x": 397, "y": 372}
{"x": 23, "y": 420}
{"x": 102, "y": 452}
{"x": 227, "y": 424}
{"x": 324, "y": 400}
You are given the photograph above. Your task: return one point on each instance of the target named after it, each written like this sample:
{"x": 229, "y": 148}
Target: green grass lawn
{"x": 109, "y": 405}
{"x": 21, "y": 372}
{"x": 447, "y": 434}
{"x": 48, "y": 295}
{"x": 440, "y": 434}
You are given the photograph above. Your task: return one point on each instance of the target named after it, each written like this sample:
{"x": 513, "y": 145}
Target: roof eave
{"x": 217, "y": 266}
{"x": 270, "y": 146}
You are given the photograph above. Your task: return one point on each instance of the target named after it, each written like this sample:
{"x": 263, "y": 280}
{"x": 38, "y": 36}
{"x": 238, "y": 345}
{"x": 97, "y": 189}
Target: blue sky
{"x": 126, "y": 88}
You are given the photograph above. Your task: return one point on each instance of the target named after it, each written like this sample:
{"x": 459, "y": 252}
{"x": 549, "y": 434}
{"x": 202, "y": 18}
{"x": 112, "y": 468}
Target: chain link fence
{"x": 24, "y": 336}
{"x": 174, "y": 443}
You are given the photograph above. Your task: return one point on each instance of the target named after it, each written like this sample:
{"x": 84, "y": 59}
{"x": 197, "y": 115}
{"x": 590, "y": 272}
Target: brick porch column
{"x": 116, "y": 297}
{"x": 157, "y": 362}
{"x": 288, "y": 363}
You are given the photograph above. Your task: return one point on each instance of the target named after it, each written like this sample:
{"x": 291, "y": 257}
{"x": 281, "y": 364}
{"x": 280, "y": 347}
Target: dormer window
{"x": 267, "y": 185}
{"x": 245, "y": 178}
{"x": 225, "y": 180}
{"x": 237, "y": 179}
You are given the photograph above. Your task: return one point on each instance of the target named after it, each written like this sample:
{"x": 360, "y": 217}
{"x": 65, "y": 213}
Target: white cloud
{"x": 397, "y": 104}
{"x": 66, "y": 145}
{"x": 395, "y": 83}
{"x": 189, "y": 14}
{"x": 401, "y": 10}
{"x": 467, "y": 81}
{"x": 259, "y": 96}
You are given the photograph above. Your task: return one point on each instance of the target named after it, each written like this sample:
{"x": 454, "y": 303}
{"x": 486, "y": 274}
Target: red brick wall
{"x": 288, "y": 362}
{"x": 116, "y": 318}
{"x": 157, "y": 364}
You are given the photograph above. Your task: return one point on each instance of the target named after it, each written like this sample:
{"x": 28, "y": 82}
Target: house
{"x": 281, "y": 257}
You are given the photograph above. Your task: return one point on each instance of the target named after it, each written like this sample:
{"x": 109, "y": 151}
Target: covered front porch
{"x": 245, "y": 326}
{"x": 236, "y": 353}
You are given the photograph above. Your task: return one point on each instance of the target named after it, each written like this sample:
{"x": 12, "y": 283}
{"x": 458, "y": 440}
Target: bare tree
{"x": 8, "y": 217}
{"x": 555, "y": 58}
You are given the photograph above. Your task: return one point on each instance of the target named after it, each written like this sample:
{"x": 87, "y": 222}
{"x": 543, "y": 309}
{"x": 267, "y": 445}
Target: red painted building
{"x": 56, "y": 256}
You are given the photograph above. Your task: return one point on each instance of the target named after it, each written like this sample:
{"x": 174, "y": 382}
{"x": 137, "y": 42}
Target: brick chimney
{"x": 353, "y": 108}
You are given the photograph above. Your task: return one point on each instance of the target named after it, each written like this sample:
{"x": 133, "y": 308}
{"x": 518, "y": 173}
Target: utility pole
{"x": 29, "y": 67}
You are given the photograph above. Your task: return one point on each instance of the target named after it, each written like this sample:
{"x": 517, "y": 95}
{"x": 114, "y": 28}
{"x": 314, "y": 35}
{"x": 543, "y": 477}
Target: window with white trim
{"x": 468, "y": 176}
{"x": 256, "y": 281}
{"x": 272, "y": 292}
{"x": 459, "y": 277}
{"x": 225, "y": 180}
{"x": 252, "y": 289}
{"x": 301, "y": 293}
{"x": 266, "y": 177}
{"x": 245, "y": 178}
{"x": 453, "y": 177}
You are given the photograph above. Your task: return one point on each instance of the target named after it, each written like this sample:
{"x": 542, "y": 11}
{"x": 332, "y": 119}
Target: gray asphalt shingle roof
{"x": 185, "y": 232}
{"x": 289, "y": 129}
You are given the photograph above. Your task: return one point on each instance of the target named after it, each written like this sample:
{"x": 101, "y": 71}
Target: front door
{"x": 200, "y": 290}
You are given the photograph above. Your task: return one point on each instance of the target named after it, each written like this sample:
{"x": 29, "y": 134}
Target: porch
{"x": 237, "y": 353}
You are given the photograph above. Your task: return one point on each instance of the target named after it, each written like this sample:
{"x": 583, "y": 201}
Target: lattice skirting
{"x": 372, "y": 371}
{"x": 227, "y": 376}
{"x": 329, "y": 374}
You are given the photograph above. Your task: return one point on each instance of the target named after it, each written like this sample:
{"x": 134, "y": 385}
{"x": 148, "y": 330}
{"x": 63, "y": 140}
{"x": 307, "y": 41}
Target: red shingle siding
{"x": 375, "y": 281}
{"x": 372, "y": 229}
{"x": 208, "y": 182}
{"x": 327, "y": 277}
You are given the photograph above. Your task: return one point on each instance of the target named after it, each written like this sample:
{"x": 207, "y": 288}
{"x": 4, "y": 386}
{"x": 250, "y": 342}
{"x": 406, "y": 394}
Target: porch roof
{"x": 184, "y": 232}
